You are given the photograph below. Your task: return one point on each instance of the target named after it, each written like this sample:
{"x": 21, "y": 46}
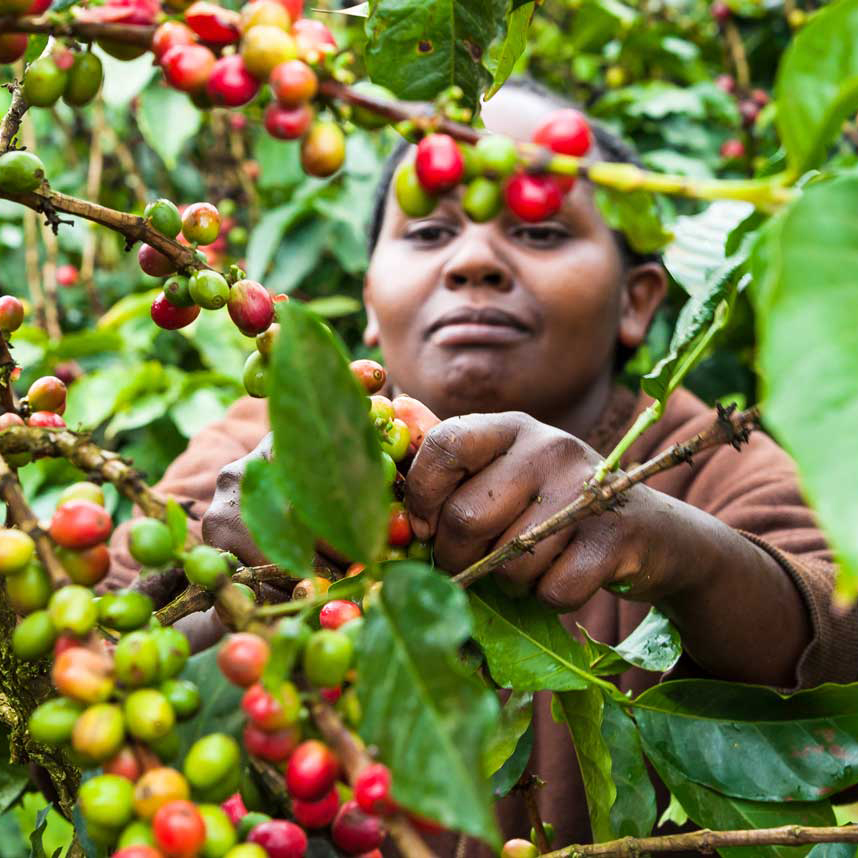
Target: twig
{"x": 22, "y": 515}
{"x": 354, "y": 759}
{"x": 737, "y": 54}
{"x": 527, "y": 786}
{"x": 12, "y": 120}
{"x": 728, "y": 428}
{"x": 707, "y": 841}
{"x": 83, "y": 31}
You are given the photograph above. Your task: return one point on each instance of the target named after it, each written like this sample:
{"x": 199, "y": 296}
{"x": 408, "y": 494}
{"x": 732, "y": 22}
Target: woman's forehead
{"x": 516, "y": 112}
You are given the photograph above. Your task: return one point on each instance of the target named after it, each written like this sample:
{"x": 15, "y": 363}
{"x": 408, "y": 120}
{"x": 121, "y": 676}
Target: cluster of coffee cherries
{"x": 13, "y": 46}
{"x": 491, "y": 172}
{"x": 250, "y": 304}
{"x": 749, "y": 104}
{"x": 74, "y": 75}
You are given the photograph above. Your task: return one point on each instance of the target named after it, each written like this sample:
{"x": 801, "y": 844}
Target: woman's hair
{"x": 610, "y": 148}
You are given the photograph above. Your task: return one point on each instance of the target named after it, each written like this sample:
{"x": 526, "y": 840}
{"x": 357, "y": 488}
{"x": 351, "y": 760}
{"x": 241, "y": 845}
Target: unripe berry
{"x": 213, "y": 24}
{"x": 153, "y": 262}
{"x": 255, "y": 376}
{"x": 533, "y": 198}
{"x": 280, "y": 838}
{"x": 99, "y": 732}
{"x": 13, "y": 46}
{"x": 288, "y": 123}
{"x": 319, "y": 813}
{"x": 47, "y": 393}
{"x": 356, "y": 832}
{"x": 201, "y": 223}
{"x": 231, "y": 84}
{"x": 372, "y": 790}
{"x": 17, "y": 549}
{"x": 519, "y": 848}
{"x": 158, "y": 787}
{"x": 170, "y": 317}
{"x": 44, "y": 81}
{"x": 169, "y": 35}
{"x": 312, "y": 771}
{"x": 209, "y": 289}
{"x": 187, "y": 67}
{"x": 242, "y": 658}
{"x": 265, "y": 47}
{"x": 86, "y": 567}
{"x": 498, "y": 155}
{"x": 82, "y": 675}
{"x": 264, "y": 13}
{"x": 413, "y": 199}
{"x": 337, "y": 613}
{"x": 482, "y": 200}
{"x": 323, "y": 150}
{"x": 11, "y": 314}
{"x": 439, "y": 163}
{"x": 293, "y": 83}
{"x": 80, "y": 524}
{"x": 313, "y": 39}
{"x": 20, "y": 171}
{"x": 250, "y": 307}
{"x": 164, "y": 216}
{"x": 137, "y": 850}
{"x": 106, "y": 800}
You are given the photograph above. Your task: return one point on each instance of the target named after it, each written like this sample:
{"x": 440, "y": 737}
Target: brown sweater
{"x": 755, "y": 491}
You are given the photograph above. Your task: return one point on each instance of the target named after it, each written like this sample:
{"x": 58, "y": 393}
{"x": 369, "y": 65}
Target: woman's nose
{"x": 477, "y": 268}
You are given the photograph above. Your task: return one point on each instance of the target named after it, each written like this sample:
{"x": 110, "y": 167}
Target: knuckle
{"x": 227, "y": 479}
{"x": 552, "y": 591}
{"x": 459, "y": 519}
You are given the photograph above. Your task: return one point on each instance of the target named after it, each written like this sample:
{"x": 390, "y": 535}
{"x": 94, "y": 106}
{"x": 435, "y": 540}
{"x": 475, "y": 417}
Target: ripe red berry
{"x": 313, "y": 39}
{"x": 312, "y": 770}
{"x": 720, "y": 11}
{"x": 242, "y": 658}
{"x": 317, "y": 814}
{"x": 732, "y": 149}
{"x": 234, "y": 808}
{"x": 372, "y": 789}
{"x": 280, "y": 838}
{"x": 399, "y": 527}
{"x": 272, "y": 712}
{"x": 46, "y": 420}
{"x": 370, "y": 374}
{"x": 331, "y": 695}
{"x": 276, "y": 746}
{"x": 251, "y": 307}
{"x": 213, "y": 23}
{"x": 760, "y": 96}
{"x": 356, "y": 832}
{"x": 179, "y": 829}
{"x": 138, "y": 850}
{"x": 726, "y": 83}
{"x": 188, "y": 67}
{"x": 11, "y": 314}
{"x": 125, "y": 764}
{"x": 67, "y": 275}
{"x": 169, "y": 34}
{"x": 749, "y": 111}
{"x": 170, "y": 317}
{"x": 13, "y": 46}
{"x": 532, "y": 197}
{"x": 337, "y": 613}
{"x": 288, "y": 123}
{"x": 439, "y": 163}
{"x": 566, "y": 132}
{"x": 230, "y": 83}
{"x": 293, "y": 83}
{"x": 10, "y": 419}
{"x": 153, "y": 262}
{"x": 80, "y": 524}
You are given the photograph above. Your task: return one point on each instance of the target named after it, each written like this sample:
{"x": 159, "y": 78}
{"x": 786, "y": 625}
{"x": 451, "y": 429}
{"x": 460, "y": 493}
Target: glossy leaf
{"x": 430, "y": 720}
{"x": 811, "y": 403}
{"x": 516, "y": 716}
{"x": 637, "y": 215}
{"x": 749, "y": 742}
{"x": 817, "y": 83}
{"x": 502, "y": 59}
{"x": 509, "y": 774}
{"x": 318, "y": 415}
{"x": 13, "y": 776}
{"x": 167, "y": 120}
{"x": 37, "y": 849}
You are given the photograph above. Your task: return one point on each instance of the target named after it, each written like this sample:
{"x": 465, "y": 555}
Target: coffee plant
{"x": 360, "y": 708}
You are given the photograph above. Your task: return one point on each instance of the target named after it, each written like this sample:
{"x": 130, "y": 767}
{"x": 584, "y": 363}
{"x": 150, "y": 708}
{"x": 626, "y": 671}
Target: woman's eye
{"x": 430, "y": 233}
{"x": 540, "y": 235}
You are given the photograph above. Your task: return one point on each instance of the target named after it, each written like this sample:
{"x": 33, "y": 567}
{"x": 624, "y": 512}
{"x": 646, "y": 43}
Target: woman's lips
{"x": 478, "y": 326}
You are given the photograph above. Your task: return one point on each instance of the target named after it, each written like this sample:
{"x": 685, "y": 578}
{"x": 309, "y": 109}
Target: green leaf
{"x": 804, "y": 295}
{"x": 319, "y": 416}
{"x": 516, "y": 717}
{"x": 419, "y": 48}
{"x": 750, "y": 742}
{"x": 124, "y": 80}
{"x": 654, "y": 645}
{"x": 167, "y": 120}
{"x": 199, "y": 408}
{"x": 509, "y": 774}
{"x": 833, "y": 850}
{"x": 710, "y": 809}
{"x": 334, "y": 306}
{"x": 525, "y": 645}
{"x": 268, "y": 233}
{"x": 817, "y": 84}
{"x": 430, "y": 720}
{"x": 13, "y": 777}
{"x": 37, "y": 849}
{"x": 177, "y": 521}
{"x": 36, "y": 45}
{"x": 636, "y": 214}
{"x": 502, "y": 61}
{"x": 673, "y": 813}
{"x": 275, "y": 527}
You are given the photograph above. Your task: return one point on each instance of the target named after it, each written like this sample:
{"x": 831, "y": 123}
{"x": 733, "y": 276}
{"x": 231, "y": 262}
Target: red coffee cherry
{"x": 732, "y": 149}
{"x": 760, "y": 96}
{"x": 720, "y": 11}
{"x": 169, "y": 35}
{"x": 313, "y": 39}
{"x": 10, "y": 419}
{"x": 533, "y": 198}
{"x": 67, "y": 275}
{"x": 179, "y": 829}
{"x": 86, "y": 567}
{"x": 13, "y": 46}
{"x": 47, "y": 393}
{"x": 288, "y": 123}
{"x": 293, "y": 83}
{"x": 125, "y": 764}
{"x": 138, "y": 850}
{"x": 749, "y": 111}
{"x": 153, "y": 262}
{"x": 356, "y": 832}
{"x": 272, "y": 712}
{"x": 280, "y": 838}
{"x": 234, "y": 808}
{"x": 337, "y": 613}
{"x": 276, "y": 746}
{"x": 230, "y": 83}
{"x": 11, "y": 314}
{"x": 242, "y": 658}
{"x": 80, "y": 524}
{"x": 250, "y": 307}
{"x": 417, "y": 417}
{"x": 726, "y": 83}
{"x": 566, "y": 132}
{"x": 317, "y": 814}
{"x": 46, "y": 420}
{"x": 187, "y": 67}
{"x": 372, "y": 790}
{"x": 370, "y": 374}
{"x": 170, "y": 317}
{"x": 213, "y": 24}
{"x": 399, "y": 527}
{"x": 331, "y": 695}
{"x": 439, "y": 163}
{"x": 312, "y": 770}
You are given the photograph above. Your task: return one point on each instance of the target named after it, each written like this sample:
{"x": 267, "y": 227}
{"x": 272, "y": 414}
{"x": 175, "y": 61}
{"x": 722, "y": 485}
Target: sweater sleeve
{"x": 192, "y": 476}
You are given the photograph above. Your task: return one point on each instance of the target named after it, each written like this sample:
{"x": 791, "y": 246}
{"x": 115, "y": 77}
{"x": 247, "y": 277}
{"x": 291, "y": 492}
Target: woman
{"x": 518, "y": 327}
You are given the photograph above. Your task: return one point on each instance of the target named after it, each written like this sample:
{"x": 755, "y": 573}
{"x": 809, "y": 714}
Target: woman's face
{"x": 505, "y": 315}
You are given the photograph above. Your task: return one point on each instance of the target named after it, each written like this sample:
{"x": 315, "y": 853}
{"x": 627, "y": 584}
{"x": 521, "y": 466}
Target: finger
{"x": 451, "y": 452}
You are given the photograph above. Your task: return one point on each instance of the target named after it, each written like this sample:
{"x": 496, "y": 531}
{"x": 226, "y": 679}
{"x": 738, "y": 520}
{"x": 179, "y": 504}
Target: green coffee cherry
{"x": 136, "y": 833}
{"x": 72, "y": 609}
{"x": 20, "y": 172}
{"x": 99, "y": 732}
{"x": 148, "y": 714}
{"x": 255, "y": 376}
{"x": 177, "y": 291}
{"x": 205, "y": 566}
{"x": 327, "y": 657}
{"x": 52, "y": 722}
{"x": 173, "y": 651}
{"x": 84, "y": 80}
{"x": 29, "y": 590}
{"x": 164, "y": 217}
{"x": 498, "y": 156}
{"x": 44, "y": 82}
{"x": 34, "y": 636}
{"x": 183, "y": 696}
{"x": 412, "y": 199}
{"x": 135, "y": 659}
{"x": 150, "y": 542}
{"x": 482, "y": 200}
{"x": 211, "y": 760}
{"x": 220, "y": 834}
{"x": 209, "y": 289}
{"x": 107, "y": 801}
{"x": 124, "y": 610}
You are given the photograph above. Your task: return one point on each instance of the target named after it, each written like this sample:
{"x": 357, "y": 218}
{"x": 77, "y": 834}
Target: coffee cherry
{"x": 264, "y": 13}
{"x": 247, "y": 850}
{"x": 80, "y": 524}
{"x": 231, "y": 84}
{"x": 255, "y": 376}
{"x": 265, "y": 341}
{"x": 137, "y": 833}
{"x": 187, "y": 67}
{"x": 206, "y": 567}
{"x": 173, "y": 651}
{"x": 272, "y": 711}
{"x": 242, "y": 658}
{"x": 395, "y": 439}
{"x": 53, "y": 721}
{"x": 179, "y": 829}
{"x": 34, "y": 636}
{"x": 249, "y": 821}
{"x": 417, "y": 417}
{"x": 565, "y": 131}
{"x": 153, "y": 262}
{"x": 214, "y": 24}
{"x": 498, "y": 156}
{"x": 67, "y": 275}
{"x": 46, "y": 420}
{"x": 234, "y": 808}
{"x": 372, "y": 790}
{"x": 313, "y": 39}
{"x": 211, "y": 760}
{"x": 399, "y": 527}
{"x": 107, "y": 800}
{"x": 47, "y": 394}
{"x": 126, "y": 764}
{"x": 82, "y": 675}
{"x": 84, "y": 79}
{"x": 170, "y": 317}
{"x": 310, "y": 588}
{"x": 369, "y": 373}
{"x": 272, "y": 745}
{"x": 72, "y": 609}
{"x": 482, "y": 200}
{"x": 183, "y": 696}
{"x": 732, "y": 149}
{"x": 148, "y": 714}
{"x": 137, "y": 850}
{"x": 439, "y": 163}
{"x": 17, "y": 549}
{"x": 85, "y": 567}
{"x": 13, "y": 46}
{"x": 171, "y": 34}
{"x": 519, "y": 848}
{"x": 158, "y": 787}
{"x": 319, "y": 813}
{"x": 412, "y": 198}
{"x": 20, "y": 172}
{"x": 98, "y": 733}
{"x": 135, "y": 659}
{"x": 150, "y": 542}
{"x": 327, "y": 657}
{"x": 726, "y": 83}
{"x": 280, "y": 839}
{"x": 29, "y": 590}
{"x": 83, "y": 490}
{"x": 356, "y": 832}
{"x": 390, "y": 471}
{"x": 201, "y": 223}
{"x": 288, "y": 123}
{"x": 323, "y": 150}
{"x": 208, "y": 289}
{"x": 312, "y": 770}
{"x": 749, "y": 110}
{"x": 364, "y": 117}
{"x": 125, "y": 610}
{"x": 220, "y": 834}
{"x": 337, "y": 613}
{"x": 533, "y": 198}
{"x": 293, "y": 83}
{"x": 44, "y": 82}
{"x": 380, "y": 409}
{"x": 177, "y": 292}
{"x": 164, "y": 217}
{"x": 265, "y": 47}
{"x": 720, "y": 11}
{"x": 250, "y": 307}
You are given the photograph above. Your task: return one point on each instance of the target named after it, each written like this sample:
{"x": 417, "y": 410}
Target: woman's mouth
{"x": 477, "y": 326}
